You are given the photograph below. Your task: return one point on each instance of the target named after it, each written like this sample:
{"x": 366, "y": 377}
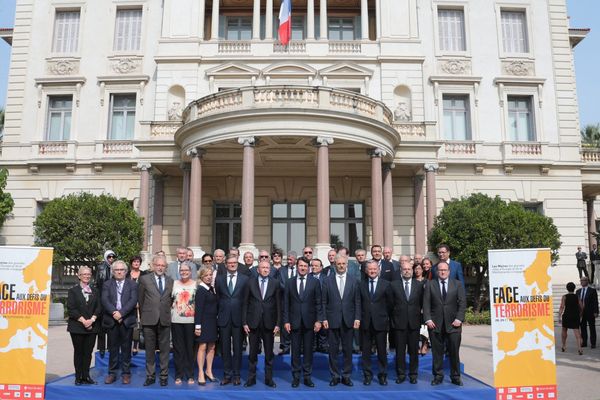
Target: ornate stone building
{"x": 357, "y": 132}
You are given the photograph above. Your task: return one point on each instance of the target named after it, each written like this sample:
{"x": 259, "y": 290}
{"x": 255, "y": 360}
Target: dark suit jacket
{"x": 406, "y": 314}
{"x": 456, "y": 272}
{"x": 77, "y": 307}
{"x": 155, "y": 308}
{"x": 129, "y": 299}
{"x": 387, "y": 270}
{"x": 444, "y": 312}
{"x": 321, "y": 278}
{"x": 302, "y": 310}
{"x": 375, "y": 312}
{"x": 340, "y": 311}
{"x": 257, "y": 311}
{"x": 173, "y": 270}
{"x": 230, "y": 305}
{"x": 283, "y": 275}
{"x": 590, "y": 303}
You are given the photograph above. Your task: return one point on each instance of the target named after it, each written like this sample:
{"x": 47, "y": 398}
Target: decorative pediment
{"x": 346, "y": 70}
{"x": 289, "y": 69}
{"x": 233, "y": 70}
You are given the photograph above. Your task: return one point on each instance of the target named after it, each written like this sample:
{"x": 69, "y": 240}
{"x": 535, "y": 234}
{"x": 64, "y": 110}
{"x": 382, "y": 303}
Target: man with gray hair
{"x": 173, "y": 268}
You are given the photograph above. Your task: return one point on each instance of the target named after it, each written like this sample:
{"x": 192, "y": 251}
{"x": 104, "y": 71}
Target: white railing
{"x": 526, "y": 149}
{"x": 293, "y": 47}
{"x": 220, "y": 102}
{"x": 590, "y": 155}
{"x": 53, "y": 148}
{"x": 235, "y": 46}
{"x": 349, "y": 101}
{"x": 414, "y": 129}
{"x": 468, "y": 148}
{"x": 286, "y": 95}
{"x": 117, "y": 147}
{"x": 337, "y": 46}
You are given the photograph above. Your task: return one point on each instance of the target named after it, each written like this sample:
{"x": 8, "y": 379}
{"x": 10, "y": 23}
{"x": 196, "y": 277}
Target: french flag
{"x": 285, "y": 21}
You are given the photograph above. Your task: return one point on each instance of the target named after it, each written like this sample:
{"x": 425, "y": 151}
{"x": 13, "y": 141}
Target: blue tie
{"x": 160, "y": 285}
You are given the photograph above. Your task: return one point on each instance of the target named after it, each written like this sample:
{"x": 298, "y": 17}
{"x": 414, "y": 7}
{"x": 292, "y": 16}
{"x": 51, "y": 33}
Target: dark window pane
{"x": 222, "y": 211}
{"x": 280, "y": 235}
{"x": 222, "y": 235}
{"x": 237, "y": 234}
{"x": 237, "y": 210}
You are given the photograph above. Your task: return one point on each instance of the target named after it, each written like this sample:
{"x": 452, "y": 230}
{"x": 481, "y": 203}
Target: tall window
{"x": 298, "y": 28}
{"x": 228, "y": 225}
{"x": 456, "y": 117}
{"x": 122, "y": 116}
{"x": 520, "y": 118}
{"x": 451, "y": 26}
{"x": 59, "y": 117}
{"x": 66, "y": 32}
{"x": 514, "y": 31}
{"x": 347, "y": 225}
{"x": 289, "y": 226}
{"x": 239, "y": 28}
{"x": 128, "y": 30}
{"x": 341, "y": 28}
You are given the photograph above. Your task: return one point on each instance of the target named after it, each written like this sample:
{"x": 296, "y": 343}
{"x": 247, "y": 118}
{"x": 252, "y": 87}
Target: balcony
{"x": 590, "y": 155}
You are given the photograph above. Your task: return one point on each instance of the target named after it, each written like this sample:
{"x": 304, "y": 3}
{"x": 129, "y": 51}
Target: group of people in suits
{"x": 309, "y": 305}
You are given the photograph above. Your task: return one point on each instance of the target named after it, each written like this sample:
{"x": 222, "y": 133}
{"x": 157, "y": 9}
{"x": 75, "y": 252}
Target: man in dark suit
{"x": 406, "y": 322}
{"x": 119, "y": 299}
{"x": 261, "y": 313}
{"x": 302, "y": 316}
{"x": 376, "y": 301}
{"x": 580, "y": 256}
{"x": 386, "y": 268}
{"x": 103, "y": 274}
{"x": 387, "y": 256}
{"x": 589, "y": 299}
{"x": 594, "y": 258}
{"x": 154, "y": 298}
{"x": 456, "y": 270}
{"x": 341, "y": 305}
{"x": 444, "y": 306}
{"x": 330, "y": 269}
{"x": 173, "y": 267}
{"x": 231, "y": 292}
{"x": 360, "y": 263}
{"x": 286, "y": 273}
{"x": 318, "y": 272}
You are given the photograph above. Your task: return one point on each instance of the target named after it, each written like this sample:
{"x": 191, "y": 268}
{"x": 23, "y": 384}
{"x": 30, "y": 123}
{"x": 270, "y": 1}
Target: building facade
{"x": 375, "y": 114}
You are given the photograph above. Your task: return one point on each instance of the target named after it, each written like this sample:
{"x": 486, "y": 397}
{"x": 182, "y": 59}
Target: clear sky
{"x": 583, "y": 13}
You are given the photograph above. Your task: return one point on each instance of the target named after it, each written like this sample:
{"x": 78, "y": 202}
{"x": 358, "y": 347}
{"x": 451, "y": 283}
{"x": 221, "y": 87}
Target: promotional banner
{"x": 522, "y": 324}
{"x": 25, "y": 276}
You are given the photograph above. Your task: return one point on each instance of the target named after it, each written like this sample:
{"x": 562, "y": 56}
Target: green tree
{"x": 473, "y": 225}
{"x": 82, "y": 226}
{"x": 590, "y": 136}
{"x": 6, "y": 201}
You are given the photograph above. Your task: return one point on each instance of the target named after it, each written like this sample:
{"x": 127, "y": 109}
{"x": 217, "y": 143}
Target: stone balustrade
{"x": 117, "y": 147}
{"x": 345, "y": 47}
{"x": 235, "y": 46}
{"x": 457, "y": 148}
{"x": 53, "y": 148}
{"x": 164, "y": 129}
{"x": 526, "y": 149}
{"x": 293, "y": 47}
{"x": 590, "y": 155}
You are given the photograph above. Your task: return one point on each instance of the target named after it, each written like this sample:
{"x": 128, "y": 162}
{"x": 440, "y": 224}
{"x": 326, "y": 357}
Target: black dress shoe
{"x": 164, "y": 382}
{"x": 382, "y": 380}
{"x": 334, "y": 381}
{"x": 295, "y": 383}
{"x": 149, "y": 381}
{"x": 413, "y": 380}
{"x": 367, "y": 380}
{"x": 236, "y": 381}
{"x": 457, "y": 381}
{"x": 225, "y": 381}
{"x": 270, "y": 384}
{"x": 88, "y": 381}
{"x": 400, "y": 379}
{"x": 78, "y": 382}
{"x": 250, "y": 383}
{"x": 437, "y": 381}
{"x": 308, "y": 382}
{"x": 347, "y": 382}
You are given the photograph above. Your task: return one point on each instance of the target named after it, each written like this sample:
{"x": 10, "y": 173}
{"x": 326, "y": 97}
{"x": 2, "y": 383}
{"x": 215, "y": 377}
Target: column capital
{"x": 388, "y": 166}
{"x": 323, "y": 141}
{"x": 195, "y": 152}
{"x": 144, "y": 166}
{"x": 376, "y": 152}
{"x": 247, "y": 141}
{"x": 431, "y": 167}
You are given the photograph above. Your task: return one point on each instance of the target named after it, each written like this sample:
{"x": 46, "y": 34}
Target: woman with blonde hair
{"x": 205, "y": 320}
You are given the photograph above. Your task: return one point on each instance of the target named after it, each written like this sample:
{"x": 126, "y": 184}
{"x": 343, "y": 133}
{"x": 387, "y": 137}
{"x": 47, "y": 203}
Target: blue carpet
{"x": 64, "y": 388}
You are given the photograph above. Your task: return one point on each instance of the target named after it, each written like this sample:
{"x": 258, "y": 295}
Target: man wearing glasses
{"x": 456, "y": 270}
{"x": 119, "y": 301}
{"x": 308, "y": 253}
{"x": 102, "y": 275}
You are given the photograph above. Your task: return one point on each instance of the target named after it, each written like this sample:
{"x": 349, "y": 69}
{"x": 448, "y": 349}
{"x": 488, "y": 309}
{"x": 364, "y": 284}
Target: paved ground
{"x": 577, "y": 375}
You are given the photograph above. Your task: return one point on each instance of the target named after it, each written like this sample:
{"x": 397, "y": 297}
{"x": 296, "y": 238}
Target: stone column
{"x": 322, "y": 246}
{"x": 214, "y": 29}
{"x": 256, "y": 20}
{"x": 201, "y": 13}
{"x": 323, "y": 17}
{"x": 157, "y": 215}
{"x": 144, "y": 209}
{"x": 388, "y": 206}
{"x": 430, "y": 170}
{"x": 591, "y": 220}
{"x": 310, "y": 19}
{"x": 247, "y": 242}
{"x": 364, "y": 19}
{"x": 419, "y": 210}
{"x": 185, "y": 204}
{"x": 376, "y": 196}
{"x": 194, "y": 219}
{"x": 269, "y": 20}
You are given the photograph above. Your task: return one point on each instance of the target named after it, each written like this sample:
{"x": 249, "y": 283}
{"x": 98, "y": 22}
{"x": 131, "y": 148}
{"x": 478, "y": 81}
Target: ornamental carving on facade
{"x": 456, "y": 67}
{"x": 62, "y": 67}
{"x": 174, "y": 112}
{"x": 402, "y": 113}
{"x": 518, "y": 68}
{"x": 126, "y": 65}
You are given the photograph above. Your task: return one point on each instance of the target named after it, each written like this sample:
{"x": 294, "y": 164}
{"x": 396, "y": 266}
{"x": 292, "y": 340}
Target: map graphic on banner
{"x": 522, "y": 324}
{"x": 25, "y": 276}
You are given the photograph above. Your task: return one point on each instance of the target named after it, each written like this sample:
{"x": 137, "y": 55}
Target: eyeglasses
{"x": 263, "y": 256}
{"x": 110, "y": 256}
{"x": 207, "y": 261}
{"x": 308, "y": 252}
